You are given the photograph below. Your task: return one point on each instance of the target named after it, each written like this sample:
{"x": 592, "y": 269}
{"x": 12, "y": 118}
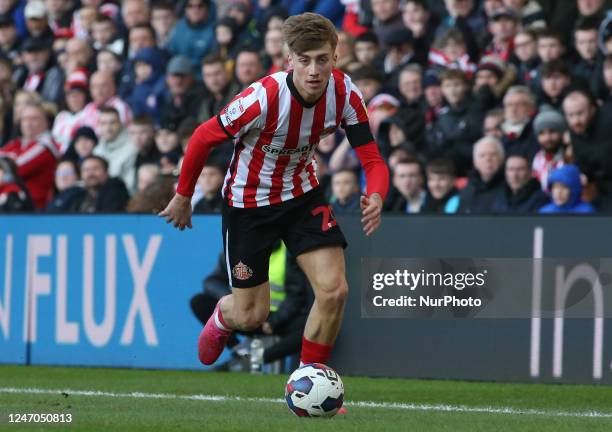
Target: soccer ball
{"x": 314, "y": 390}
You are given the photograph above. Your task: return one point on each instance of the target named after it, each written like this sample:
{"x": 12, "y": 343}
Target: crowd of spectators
{"x": 478, "y": 106}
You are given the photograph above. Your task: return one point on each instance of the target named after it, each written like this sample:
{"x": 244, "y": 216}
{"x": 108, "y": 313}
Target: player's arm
{"x": 376, "y": 172}
{"x": 236, "y": 118}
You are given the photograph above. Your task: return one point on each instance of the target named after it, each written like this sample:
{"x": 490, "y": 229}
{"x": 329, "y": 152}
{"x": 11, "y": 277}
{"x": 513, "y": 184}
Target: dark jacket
{"x": 593, "y": 149}
{"x": 433, "y": 205}
{"x": 112, "y": 198}
{"x": 568, "y": 175}
{"x": 351, "y": 206}
{"x": 51, "y": 87}
{"x": 529, "y": 199}
{"x": 210, "y": 107}
{"x": 477, "y": 197}
{"x": 206, "y": 206}
{"x": 14, "y": 198}
{"x": 147, "y": 97}
{"x": 525, "y": 144}
{"x": 411, "y": 122}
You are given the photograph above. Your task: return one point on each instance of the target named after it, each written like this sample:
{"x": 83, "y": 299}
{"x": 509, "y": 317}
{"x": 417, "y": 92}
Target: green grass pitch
{"x": 139, "y": 400}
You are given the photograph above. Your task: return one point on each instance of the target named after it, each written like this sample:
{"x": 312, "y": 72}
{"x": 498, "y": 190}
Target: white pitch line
{"x": 362, "y": 404}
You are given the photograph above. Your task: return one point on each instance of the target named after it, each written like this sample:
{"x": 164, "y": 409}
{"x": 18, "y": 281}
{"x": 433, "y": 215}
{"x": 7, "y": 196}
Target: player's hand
{"x": 178, "y": 212}
{"x": 371, "y": 208}
{"x": 266, "y": 328}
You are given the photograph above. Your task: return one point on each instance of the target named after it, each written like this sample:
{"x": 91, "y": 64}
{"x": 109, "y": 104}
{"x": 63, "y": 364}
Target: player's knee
{"x": 333, "y": 293}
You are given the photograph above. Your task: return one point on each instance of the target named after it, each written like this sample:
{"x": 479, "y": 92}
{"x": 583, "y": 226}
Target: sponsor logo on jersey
{"x": 242, "y": 271}
{"x": 285, "y": 152}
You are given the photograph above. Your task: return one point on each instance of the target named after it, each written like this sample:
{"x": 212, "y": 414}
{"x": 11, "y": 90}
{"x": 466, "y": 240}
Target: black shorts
{"x": 251, "y": 235}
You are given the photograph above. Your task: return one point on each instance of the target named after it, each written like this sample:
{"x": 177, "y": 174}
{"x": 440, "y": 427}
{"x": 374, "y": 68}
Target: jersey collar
{"x": 296, "y": 94}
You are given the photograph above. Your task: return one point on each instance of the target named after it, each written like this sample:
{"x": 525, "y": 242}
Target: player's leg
{"x": 246, "y": 308}
{"x": 325, "y": 269}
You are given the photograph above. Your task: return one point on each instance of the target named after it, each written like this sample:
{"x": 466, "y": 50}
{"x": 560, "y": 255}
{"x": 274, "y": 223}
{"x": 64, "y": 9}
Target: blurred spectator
{"x": 246, "y": 27}
{"x": 590, "y": 138}
{"x": 381, "y": 106}
{"x": 116, "y": 148}
{"x": 530, "y": 11}
{"x": 227, "y": 42}
{"x": 442, "y": 195}
{"x": 37, "y": 24}
{"x": 146, "y": 97}
{"x": 76, "y": 94}
{"x": 83, "y": 21}
{"x": 105, "y": 35}
{"x": 402, "y": 129}
{"x": 555, "y": 80}
{"x": 103, "y": 95}
{"x": 98, "y": 194}
{"x": 275, "y": 57}
{"x": 14, "y": 197}
{"x": 140, "y": 36}
{"x": 519, "y": 108}
{"x": 450, "y": 52}
{"x": 249, "y": 67}
{"x": 9, "y": 40}
{"x": 462, "y": 13}
{"x": 550, "y": 46}
{"x": 14, "y": 9}
{"x": 526, "y": 56}
{"x": 79, "y": 55}
{"x": 492, "y": 123}
{"x": 345, "y": 51}
{"x": 503, "y": 27}
{"x": 367, "y": 49}
{"x": 410, "y": 84}
{"x": 408, "y": 195}
{"x": 549, "y": 127}
{"x": 522, "y": 193}
{"x": 605, "y": 92}
{"x": 345, "y": 192}
{"x": 493, "y": 77}
{"x": 459, "y": 124}
{"x": 66, "y": 175}
{"x": 142, "y": 138}
{"x": 183, "y": 95}
{"x": 422, "y": 23}
{"x": 146, "y": 175}
{"x": 210, "y": 183}
{"x": 486, "y": 182}
{"x": 565, "y": 192}
{"x": 592, "y": 8}
{"x": 153, "y": 198}
{"x": 400, "y": 52}
{"x": 368, "y": 80}
{"x": 38, "y": 73}
{"x": 586, "y": 43}
{"x": 433, "y": 97}
{"x": 168, "y": 144}
{"x": 387, "y": 19}
{"x": 82, "y": 144}
{"x": 221, "y": 88}
{"x": 60, "y": 14}
{"x": 163, "y": 21}
{"x": 22, "y": 99}
{"x": 135, "y": 13}
{"x": 35, "y": 153}
{"x": 193, "y": 35}
{"x": 109, "y": 62}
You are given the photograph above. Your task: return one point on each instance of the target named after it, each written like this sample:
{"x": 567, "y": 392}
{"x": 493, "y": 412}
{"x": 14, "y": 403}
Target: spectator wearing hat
{"x": 76, "y": 94}
{"x": 566, "y": 192}
{"x": 183, "y": 95}
{"x": 522, "y": 193}
{"x": 37, "y": 24}
{"x": 103, "y": 94}
{"x": 38, "y": 72}
{"x": 555, "y": 79}
{"x": 9, "y": 40}
{"x": 503, "y": 26}
{"x": 140, "y": 36}
{"x": 82, "y": 145}
{"x": 519, "y": 108}
{"x": 221, "y": 88}
{"x": 387, "y": 20}
{"x": 590, "y": 141}
{"x": 459, "y": 124}
{"x": 14, "y": 196}
{"x": 100, "y": 193}
{"x": 35, "y": 153}
{"x": 400, "y": 52}
{"x": 433, "y": 97}
{"x": 193, "y": 35}
{"x": 492, "y": 79}
{"x": 486, "y": 181}
{"x": 147, "y": 95}
{"x": 549, "y": 127}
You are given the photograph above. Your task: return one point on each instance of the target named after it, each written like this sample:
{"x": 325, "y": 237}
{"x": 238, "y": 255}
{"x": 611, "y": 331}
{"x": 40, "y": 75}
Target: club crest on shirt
{"x": 242, "y": 271}
{"x": 234, "y": 111}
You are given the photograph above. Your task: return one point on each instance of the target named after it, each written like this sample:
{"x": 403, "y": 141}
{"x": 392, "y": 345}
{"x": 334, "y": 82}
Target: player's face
{"x": 311, "y": 71}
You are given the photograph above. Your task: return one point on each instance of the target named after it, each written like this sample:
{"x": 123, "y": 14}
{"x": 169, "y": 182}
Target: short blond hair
{"x": 309, "y": 31}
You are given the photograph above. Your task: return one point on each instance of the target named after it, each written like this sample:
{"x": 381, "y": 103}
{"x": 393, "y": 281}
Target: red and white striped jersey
{"x": 276, "y": 133}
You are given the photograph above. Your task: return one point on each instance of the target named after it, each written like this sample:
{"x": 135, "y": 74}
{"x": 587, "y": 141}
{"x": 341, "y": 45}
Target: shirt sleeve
{"x": 355, "y": 119}
{"x": 243, "y": 113}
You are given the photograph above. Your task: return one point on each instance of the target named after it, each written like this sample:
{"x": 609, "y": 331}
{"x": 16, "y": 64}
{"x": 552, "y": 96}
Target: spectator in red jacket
{"x": 35, "y": 153}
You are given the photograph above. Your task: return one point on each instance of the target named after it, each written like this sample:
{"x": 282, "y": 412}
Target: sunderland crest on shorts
{"x": 242, "y": 271}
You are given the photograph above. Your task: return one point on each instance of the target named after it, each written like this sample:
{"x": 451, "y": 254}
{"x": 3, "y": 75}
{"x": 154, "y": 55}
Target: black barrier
{"x": 529, "y": 349}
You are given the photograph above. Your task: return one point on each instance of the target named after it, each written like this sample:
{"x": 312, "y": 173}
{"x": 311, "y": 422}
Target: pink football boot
{"x": 212, "y": 340}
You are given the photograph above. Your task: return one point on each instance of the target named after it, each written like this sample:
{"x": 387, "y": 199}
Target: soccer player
{"x": 271, "y": 191}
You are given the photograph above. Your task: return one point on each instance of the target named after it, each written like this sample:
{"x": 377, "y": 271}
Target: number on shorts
{"x": 328, "y": 217}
